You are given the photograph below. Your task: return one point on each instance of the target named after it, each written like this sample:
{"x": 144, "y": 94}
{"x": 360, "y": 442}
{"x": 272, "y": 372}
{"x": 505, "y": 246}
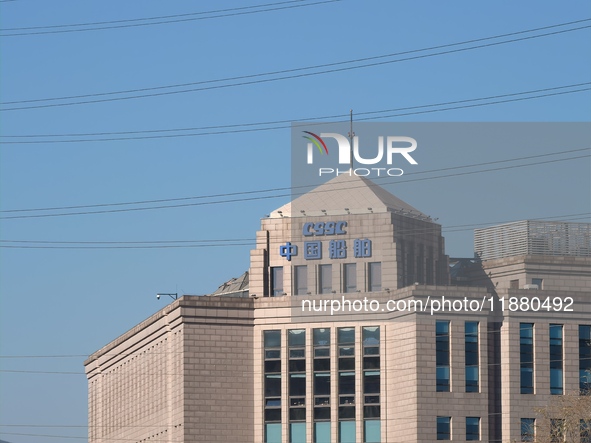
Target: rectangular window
{"x": 272, "y": 385}
{"x": 557, "y": 430}
{"x": 277, "y": 281}
{"x": 325, "y": 279}
{"x": 372, "y": 431}
{"x": 301, "y": 280}
{"x": 556, "y": 360}
{"x": 371, "y": 372}
{"x": 374, "y": 274}
{"x": 296, "y": 343}
{"x": 297, "y": 433}
{"x": 349, "y": 277}
{"x": 586, "y": 431}
{"x": 322, "y": 432}
{"x": 538, "y": 282}
{"x": 347, "y": 431}
{"x": 273, "y": 433}
{"x": 443, "y": 428}
{"x": 526, "y": 356}
{"x": 472, "y": 356}
{"x": 346, "y": 367}
{"x": 442, "y": 355}
{"x": 585, "y": 359}
{"x": 514, "y": 284}
{"x": 528, "y": 428}
{"x": 472, "y": 428}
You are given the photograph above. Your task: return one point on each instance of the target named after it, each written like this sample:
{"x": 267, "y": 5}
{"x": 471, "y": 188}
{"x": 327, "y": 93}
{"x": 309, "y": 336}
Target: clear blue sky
{"x": 70, "y": 302}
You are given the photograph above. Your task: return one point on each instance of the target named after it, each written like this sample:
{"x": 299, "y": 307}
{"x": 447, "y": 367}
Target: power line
{"x": 163, "y": 19}
{"x": 257, "y": 80}
{"x": 287, "y": 123}
{"x": 280, "y": 189}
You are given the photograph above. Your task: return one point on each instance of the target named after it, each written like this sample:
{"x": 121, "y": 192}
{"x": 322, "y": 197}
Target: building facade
{"x": 347, "y": 329}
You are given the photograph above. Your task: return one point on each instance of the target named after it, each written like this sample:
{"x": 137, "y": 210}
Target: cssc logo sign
{"x": 395, "y": 145}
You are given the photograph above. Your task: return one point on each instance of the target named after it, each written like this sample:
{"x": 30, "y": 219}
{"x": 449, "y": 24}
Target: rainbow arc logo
{"x": 317, "y": 141}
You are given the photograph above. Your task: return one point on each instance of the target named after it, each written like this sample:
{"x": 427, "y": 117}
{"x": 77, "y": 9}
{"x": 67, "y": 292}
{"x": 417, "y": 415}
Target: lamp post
{"x": 172, "y": 295}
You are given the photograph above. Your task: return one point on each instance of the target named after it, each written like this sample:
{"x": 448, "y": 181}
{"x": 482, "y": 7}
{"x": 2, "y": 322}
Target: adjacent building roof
{"x": 357, "y": 194}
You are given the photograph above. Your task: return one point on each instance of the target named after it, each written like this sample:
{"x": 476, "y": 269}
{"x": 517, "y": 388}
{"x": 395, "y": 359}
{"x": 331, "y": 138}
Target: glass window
{"x": 272, "y": 385}
{"x": 374, "y": 276}
{"x": 349, "y": 277}
{"x": 325, "y": 279}
{"x": 585, "y": 359}
{"x": 557, "y": 430}
{"x": 322, "y": 432}
{"x": 296, "y": 338}
{"x": 556, "y": 360}
{"x": 272, "y": 339}
{"x": 443, "y": 428}
{"x": 297, "y": 433}
{"x": 528, "y": 429}
{"x": 322, "y": 383}
{"x": 321, "y": 337}
{"x": 442, "y": 355}
{"x": 472, "y": 356}
{"x": 526, "y": 352}
{"x": 472, "y": 428}
{"x": 277, "y": 281}
{"x": 372, "y": 431}
{"x": 301, "y": 280}
{"x": 586, "y": 431}
{"x": 346, "y": 336}
{"x": 371, "y": 382}
{"x": 273, "y": 433}
{"x": 537, "y": 281}
{"x": 347, "y": 432}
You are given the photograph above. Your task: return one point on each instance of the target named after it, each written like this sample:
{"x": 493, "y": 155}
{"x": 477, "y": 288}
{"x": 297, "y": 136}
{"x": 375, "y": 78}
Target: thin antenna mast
{"x": 351, "y": 136}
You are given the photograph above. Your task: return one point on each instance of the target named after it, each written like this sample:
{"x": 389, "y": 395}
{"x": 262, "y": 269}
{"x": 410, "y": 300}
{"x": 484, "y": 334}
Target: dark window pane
{"x": 443, "y": 379}
{"x": 297, "y": 353}
{"x": 275, "y": 353}
{"x": 272, "y": 385}
{"x": 322, "y": 364}
{"x": 273, "y": 414}
{"x": 527, "y": 429}
{"x": 346, "y": 364}
{"x": 322, "y": 352}
{"x": 321, "y": 413}
{"x": 320, "y": 401}
{"x": 472, "y": 428}
{"x": 322, "y": 383}
{"x": 272, "y": 402}
{"x": 272, "y": 366}
{"x": 443, "y": 428}
{"x": 297, "y": 385}
{"x": 297, "y": 414}
{"x": 297, "y": 366}
{"x": 371, "y": 382}
{"x": 347, "y": 383}
{"x": 371, "y": 411}
{"x": 375, "y": 277}
{"x": 350, "y": 277}
{"x": 371, "y": 336}
{"x": 297, "y": 401}
{"x": 346, "y": 351}
{"x": 346, "y": 412}
{"x": 371, "y": 362}
{"x": 277, "y": 281}
{"x": 301, "y": 280}
{"x": 325, "y": 279}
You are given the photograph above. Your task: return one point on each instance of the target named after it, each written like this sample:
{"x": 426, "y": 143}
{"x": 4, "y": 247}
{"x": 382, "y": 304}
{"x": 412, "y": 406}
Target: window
{"x": 296, "y": 342}
{"x": 472, "y": 428}
{"x": 514, "y": 284}
{"x": 528, "y": 427}
{"x": 526, "y": 355}
{"x": 321, "y": 386}
{"x": 371, "y": 372}
{"x": 347, "y": 431}
{"x": 538, "y": 282}
{"x": 349, "y": 277}
{"x": 442, "y": 355}
{"x": 301, "y": 280}
{"x": 585, "y": 359}
{"x": 557, "y": 430}
{"x": 443, "y": 428}
{"x": 277, "y": 281}
{"x": 325, "y": 279}
{"x": 297, "y": 433}
{"x": 556, "y": 360}
{"x": 372, "y": 431}
{"x": 346, "y": 367}
{"x": 472, "y": 356}
{"x": 273, "y": 433}
{"x": 586, "y": 431}
{"x": 322, "y": 432}
{"x": 374, "y": 273}
{"x": 272, "y": 385}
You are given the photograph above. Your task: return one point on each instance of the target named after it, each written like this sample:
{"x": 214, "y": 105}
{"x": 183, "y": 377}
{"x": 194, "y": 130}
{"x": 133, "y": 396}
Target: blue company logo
{"x": 288, "y": 250}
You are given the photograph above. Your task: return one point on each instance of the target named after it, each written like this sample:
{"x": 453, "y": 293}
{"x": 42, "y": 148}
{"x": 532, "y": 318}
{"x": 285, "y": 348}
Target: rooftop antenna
{"x": 351, "y": 135}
